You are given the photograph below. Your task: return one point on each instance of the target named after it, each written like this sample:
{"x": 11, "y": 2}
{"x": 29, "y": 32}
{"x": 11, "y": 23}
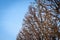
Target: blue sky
{"x": 11, "y": 17}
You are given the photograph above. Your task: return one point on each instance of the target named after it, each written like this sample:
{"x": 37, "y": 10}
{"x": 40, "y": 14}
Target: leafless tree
{"x": 42, "y": 21}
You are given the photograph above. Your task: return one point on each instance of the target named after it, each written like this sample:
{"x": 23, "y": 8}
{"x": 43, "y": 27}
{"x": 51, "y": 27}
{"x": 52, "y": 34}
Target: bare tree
{"x": 42, "y": 21}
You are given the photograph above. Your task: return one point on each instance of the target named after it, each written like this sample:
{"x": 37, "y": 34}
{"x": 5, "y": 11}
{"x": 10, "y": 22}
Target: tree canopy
{"x": 42, "y": 21}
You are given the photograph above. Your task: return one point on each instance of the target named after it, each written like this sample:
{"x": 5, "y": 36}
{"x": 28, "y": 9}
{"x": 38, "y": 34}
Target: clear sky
{"x": 11, "y": 17}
